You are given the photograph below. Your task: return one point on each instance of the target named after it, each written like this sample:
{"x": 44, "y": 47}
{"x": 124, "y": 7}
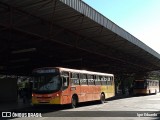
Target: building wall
{"x": 8, "y": 90}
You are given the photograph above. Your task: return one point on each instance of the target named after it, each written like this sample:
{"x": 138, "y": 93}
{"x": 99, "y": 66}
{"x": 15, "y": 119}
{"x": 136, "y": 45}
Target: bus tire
{"x": 102, "y": 98}
{"x": 74, "y": 101}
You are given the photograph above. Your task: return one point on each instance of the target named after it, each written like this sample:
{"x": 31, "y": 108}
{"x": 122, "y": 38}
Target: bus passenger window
{"x": 103, "y": 80}
{"x": 65, "y": 79}
{"x": 152, "y": 83}
{"x": 90, "y": 79}
{"x": 156, "y": 83}
{"x": 75, "y": 79}
{"x": 112, "y": 80}
{"x": 109, "y": 81}
{"x": 83, "y": 79}
{"x": 97, "y": 80}
{"x": 65, "y": 82}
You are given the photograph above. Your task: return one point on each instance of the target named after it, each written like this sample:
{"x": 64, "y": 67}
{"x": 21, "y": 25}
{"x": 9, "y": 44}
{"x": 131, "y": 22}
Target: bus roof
{"x": 76, "y": 71}
{"x": 152, "y": 80}
{"x": 147, "y": 80}
{"x": 83, "y": 71}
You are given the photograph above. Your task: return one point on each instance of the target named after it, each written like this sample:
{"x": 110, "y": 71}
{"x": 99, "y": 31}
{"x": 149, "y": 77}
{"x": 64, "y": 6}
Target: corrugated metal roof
{"x": 76, "y": 24}
{"x": 91, "y": 13}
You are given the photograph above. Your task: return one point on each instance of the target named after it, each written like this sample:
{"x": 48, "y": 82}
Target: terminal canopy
{"x": 67, "y": 33}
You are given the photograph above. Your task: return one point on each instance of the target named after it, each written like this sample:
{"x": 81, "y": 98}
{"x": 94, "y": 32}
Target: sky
{"x": 141, "y": 18}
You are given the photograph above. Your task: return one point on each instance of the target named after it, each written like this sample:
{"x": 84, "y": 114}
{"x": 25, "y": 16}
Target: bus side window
{"x": 90, "y": 79}
{"x": 75, "y": 79}
{"x": 152, "y": 83}
{"x": 156, "y": 83}
{"x": 83, "y": 79}
{"x": 65, "y": 79}
{"x": 112, "y": 80}
{"x": 103, "y": 80}
{"x": 97, "y": 80}
{"x": 109, "y": 81}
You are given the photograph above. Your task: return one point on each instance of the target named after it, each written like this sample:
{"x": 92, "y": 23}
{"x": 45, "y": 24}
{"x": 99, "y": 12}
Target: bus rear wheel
{"x": 102, "y": 98}
{"x": 74, "y": 102}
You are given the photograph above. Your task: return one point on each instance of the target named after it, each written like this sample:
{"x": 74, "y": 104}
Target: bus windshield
{"x": 46, "y": 83}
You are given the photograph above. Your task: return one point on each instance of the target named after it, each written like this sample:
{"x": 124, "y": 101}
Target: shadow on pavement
{"x": 126, "y": 96}
{"x": 51, "y": 110}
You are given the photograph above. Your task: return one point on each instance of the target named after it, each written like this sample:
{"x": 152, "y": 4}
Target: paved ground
{"x": 119, "y": 109}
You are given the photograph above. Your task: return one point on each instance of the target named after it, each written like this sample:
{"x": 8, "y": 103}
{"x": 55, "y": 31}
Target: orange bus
{"x": 146, "y": 86}
{"x": 59, "y": 85}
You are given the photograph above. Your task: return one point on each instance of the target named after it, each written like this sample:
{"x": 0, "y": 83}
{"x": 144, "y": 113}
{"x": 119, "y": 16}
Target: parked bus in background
{"x": 146, "y": 86}
{"x": 59, "y": 85}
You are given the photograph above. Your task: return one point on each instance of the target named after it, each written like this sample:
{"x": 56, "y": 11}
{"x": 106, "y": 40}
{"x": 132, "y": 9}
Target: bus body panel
{"x": 85, "y": 93}
{"x": 140, "y": 91}
{"x": 54, "y": 98}
{"x": 76, "y": 90}
{"x": 96, "y": 92}
{"x": 66, "y": 96}
{"x": 110, "y": 91}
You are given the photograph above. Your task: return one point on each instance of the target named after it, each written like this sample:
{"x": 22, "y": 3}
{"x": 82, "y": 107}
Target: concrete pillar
{"x": 125, "y": 82}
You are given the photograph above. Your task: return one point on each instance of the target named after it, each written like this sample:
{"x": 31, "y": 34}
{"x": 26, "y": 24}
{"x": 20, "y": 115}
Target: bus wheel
{"x": 74, "y": 102}
{"x": 102, "y": 98}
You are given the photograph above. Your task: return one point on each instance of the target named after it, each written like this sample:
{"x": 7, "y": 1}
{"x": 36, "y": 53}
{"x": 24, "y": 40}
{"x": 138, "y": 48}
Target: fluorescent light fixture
{"x": 101, "y": 65}
{"x": 72, "y": 60}
{"x": 18, "y": 66}
{"x": 23, "y": 50}
{"x": 20, "y": 60}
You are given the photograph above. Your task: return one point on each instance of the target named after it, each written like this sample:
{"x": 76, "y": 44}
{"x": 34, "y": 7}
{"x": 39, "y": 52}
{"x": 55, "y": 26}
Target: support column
{"x": 123, "y": 83}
